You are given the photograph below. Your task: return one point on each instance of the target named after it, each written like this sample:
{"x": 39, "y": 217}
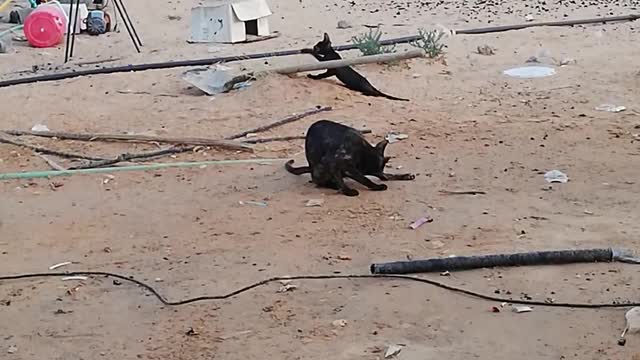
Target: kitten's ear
{"x": 326, "y": 38}
{"x": 381, "y": 146}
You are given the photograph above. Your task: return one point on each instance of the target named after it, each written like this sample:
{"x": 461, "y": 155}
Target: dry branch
{"x": 4, "y": 138}
{"x": 54, "y": 165}
{"x": 230, "y": 145}
{"x": 284, "y": 121}
{"x": 286, "y": 138}
{"x": 133, "y": 156}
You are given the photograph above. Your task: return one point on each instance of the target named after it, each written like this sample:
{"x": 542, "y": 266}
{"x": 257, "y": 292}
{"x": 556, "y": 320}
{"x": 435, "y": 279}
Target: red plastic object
{"x": 45, "y": 26}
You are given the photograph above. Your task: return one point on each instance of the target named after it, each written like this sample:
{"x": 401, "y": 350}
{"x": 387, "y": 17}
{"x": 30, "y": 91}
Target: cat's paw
{"x": 350, "y": 192}
{"x": 380, "y": 187}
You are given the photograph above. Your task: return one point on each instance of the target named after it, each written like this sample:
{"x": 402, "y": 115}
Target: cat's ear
{"x": 381, "y": 146}
{"x": 326, "y": 38}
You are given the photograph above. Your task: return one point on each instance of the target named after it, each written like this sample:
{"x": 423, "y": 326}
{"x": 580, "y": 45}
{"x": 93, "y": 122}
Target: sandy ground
{"x": 186, "y": 232}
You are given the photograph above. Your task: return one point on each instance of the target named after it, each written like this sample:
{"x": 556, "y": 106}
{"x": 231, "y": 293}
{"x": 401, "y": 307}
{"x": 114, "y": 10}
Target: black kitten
{"x": 335, "y": 151}
{"x": 323, "y": 51}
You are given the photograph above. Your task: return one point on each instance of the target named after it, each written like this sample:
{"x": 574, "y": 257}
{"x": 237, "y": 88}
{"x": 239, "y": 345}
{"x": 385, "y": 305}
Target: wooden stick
{"x": 287, "y": 138}
{"x": 286, "y": 120}
{"x": 4, "y": 138}
{"x": 332, "y": 64}
{"x": 325, "y": 65}
{"x": 231, "y": 145}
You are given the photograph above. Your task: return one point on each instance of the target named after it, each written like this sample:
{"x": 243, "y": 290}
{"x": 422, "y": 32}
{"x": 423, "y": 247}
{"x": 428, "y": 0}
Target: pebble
{"x": 343, "y": 24}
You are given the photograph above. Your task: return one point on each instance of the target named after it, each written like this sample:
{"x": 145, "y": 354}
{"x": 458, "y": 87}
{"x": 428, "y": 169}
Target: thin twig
{"x": 54, "y": 165}
{"x": 286, "y": 138}
{"x": 284, "y": 121}
{"x": 4, "y": 138}
{"x": 231, "y": 145}
{"x": 144, "y": 93}
{"x": 97, "y": 62}
{"x": 470, "y": 192}
{"x": 133, "y": 156}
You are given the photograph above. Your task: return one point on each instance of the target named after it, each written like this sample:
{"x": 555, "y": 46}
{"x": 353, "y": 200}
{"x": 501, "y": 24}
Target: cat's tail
{"x": 391, "y": 97}
{"x": 376, "y": 92}
{"x": 296, "y": 171}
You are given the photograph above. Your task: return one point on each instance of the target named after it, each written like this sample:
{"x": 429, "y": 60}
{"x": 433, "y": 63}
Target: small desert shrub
{"x": 369, "y": 43}
{"x": 429, "y": 41}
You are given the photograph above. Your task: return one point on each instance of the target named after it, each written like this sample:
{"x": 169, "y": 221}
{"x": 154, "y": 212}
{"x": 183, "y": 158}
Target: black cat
{"x": 335, "y": 151}
{"x": 323, "y": 51}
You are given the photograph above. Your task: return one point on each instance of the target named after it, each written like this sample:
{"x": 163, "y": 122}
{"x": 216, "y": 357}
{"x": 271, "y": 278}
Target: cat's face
{"x": 323, "y": 46}
{"x": 382, "y": 160}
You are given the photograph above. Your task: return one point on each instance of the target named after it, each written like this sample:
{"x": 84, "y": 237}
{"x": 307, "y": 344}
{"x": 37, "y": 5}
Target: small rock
{"x": 436, "y": 244}
{"x": 192, "y": 332}
{"x": 486, "y": 50}
{"x": 314, "y": 203}
{"x": 533, "y": 59}
{"x": 529, "y": 17}
{"x": 339, "y": 323}
{"x": 12, "y": 349}
{"x": 567, "y": 61}
{"x": 286, "y": 286}
{"x": 343, "y": 24}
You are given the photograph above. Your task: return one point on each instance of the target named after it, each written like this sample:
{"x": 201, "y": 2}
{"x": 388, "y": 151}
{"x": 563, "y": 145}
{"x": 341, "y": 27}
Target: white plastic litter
{"x": 392, "y": 350}
{"x": 530, "y": 72}
{"x": 40, "y": 128}
{"x": 393, "y": 137}
{"x": 522, "y": 309}
{"x": 633, "y": 320}
{"x": 556, "y": 176}
{"x": 611, "y": 108}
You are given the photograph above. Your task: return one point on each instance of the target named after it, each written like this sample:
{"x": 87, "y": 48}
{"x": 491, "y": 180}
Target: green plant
{"x": 429, "y": 41}
{"x": 369, "y": 43}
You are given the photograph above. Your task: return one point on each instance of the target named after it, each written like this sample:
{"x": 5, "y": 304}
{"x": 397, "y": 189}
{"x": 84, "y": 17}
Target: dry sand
{"x": 469, "y": 127}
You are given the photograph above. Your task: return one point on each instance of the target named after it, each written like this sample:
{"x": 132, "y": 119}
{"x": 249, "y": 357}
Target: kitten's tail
{"x": 296, "y": 171}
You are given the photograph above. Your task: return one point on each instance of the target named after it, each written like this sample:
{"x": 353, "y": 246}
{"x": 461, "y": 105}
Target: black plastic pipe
{"x": 488, "y": 261}
{"x": 209, "y": 61}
